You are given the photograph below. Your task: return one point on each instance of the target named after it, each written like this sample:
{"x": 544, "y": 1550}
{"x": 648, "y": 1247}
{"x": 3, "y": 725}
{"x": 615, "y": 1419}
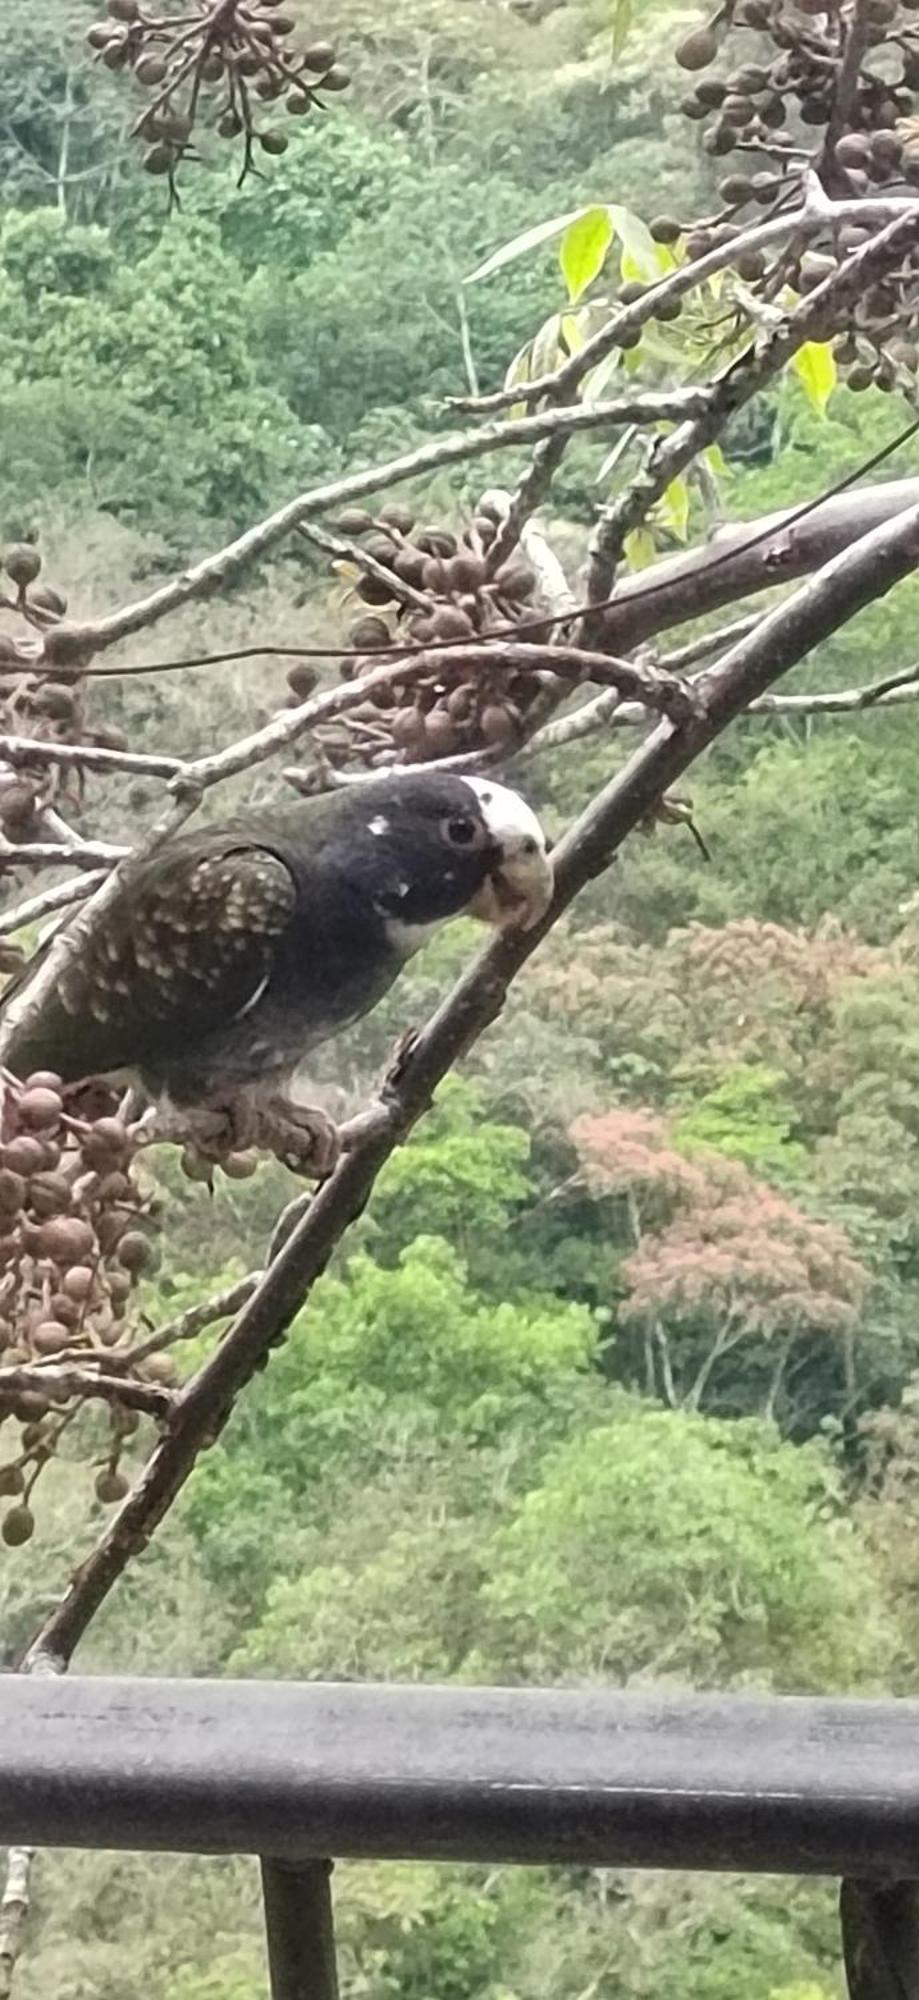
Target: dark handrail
{"x": 787, "y": 1784}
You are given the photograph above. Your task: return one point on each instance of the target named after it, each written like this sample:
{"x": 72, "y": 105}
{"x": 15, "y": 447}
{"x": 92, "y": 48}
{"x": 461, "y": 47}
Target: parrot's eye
{"x": 463, "y": 831}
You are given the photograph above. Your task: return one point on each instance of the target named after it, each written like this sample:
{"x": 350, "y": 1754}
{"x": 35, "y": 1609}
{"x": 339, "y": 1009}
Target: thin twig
{"x": 857, "y": 42}
{"x": 584, "y": 721}
{"x": 57, "y": 853}
{"x": 189, "y": 1323}
{"x": 607, "y": 711}
{"x": 26, "y": 750}
{"x": 710, "y": 642}
{"x": 894, "y": 692}
{"x": 59, "y": 898}
{"x": 343, "y": 550}
{"x": 62, "y": 1381}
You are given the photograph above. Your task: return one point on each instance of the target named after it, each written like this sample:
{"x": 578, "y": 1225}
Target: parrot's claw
{"x": 301, "y": 1136}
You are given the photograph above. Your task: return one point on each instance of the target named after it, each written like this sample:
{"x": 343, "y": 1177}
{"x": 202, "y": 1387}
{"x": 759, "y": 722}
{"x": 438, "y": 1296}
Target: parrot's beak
{"x": 517, "y": 893}
{"x": 518, "y": 888}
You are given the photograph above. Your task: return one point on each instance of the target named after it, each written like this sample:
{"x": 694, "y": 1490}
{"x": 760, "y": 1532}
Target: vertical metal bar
{"x": 300, "y": 1929}
{"x": 880, "y": 1939}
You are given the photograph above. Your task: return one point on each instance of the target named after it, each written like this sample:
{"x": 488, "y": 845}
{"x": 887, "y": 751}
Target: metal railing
{"x": 296, "y": 1773}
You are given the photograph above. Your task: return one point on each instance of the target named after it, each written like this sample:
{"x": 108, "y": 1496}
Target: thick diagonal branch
{"x": 745, "y": 558}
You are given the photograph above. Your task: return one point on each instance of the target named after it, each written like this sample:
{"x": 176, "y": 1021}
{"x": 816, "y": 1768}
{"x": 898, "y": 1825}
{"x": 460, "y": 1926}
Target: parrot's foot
{"x": 299, "y": 1135}
{"x": 230, "y": 1135}
{"x": 211, "y": 1136}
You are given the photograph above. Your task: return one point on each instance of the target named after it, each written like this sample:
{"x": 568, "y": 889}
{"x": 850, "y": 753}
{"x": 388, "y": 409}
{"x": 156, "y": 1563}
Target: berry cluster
{"x": 429, "y": 586}
{"x": 76, "y": 1229}
{"x": 51, "y": 707}
{"x": 219, "y": 62}
{"x": 786, "y": 82}
{"x": 792, "y": 75}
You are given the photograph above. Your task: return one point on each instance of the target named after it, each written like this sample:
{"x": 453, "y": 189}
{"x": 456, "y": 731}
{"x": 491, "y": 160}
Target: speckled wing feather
{"x": 186, "y": 948}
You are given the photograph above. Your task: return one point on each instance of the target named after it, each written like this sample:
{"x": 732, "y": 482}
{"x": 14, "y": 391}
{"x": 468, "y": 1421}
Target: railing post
{"x": 880, "y": 1939}
{"x": 300, "y": 1929}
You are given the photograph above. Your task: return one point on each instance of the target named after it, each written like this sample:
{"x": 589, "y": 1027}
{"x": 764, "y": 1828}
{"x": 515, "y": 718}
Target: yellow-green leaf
{"x": 583, "y": 249}
{"x": 571, "y": 333}
{"x": 615, "y": 456}
{"x": 639, "y": 549}
{"x": 622, "y": 22}
{"x": 815, "y": 366}
{"x": 640, "y": 253}
{"x": 674, "y": 508}
{"x": 519, "y": 371}
{"x": 598, "y": 381}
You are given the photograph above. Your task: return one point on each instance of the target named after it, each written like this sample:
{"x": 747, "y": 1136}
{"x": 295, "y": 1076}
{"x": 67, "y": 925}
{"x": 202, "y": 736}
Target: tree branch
{"x": 218, "y": 569}
{"x": 607, "y": 711}
{"x": 892, "y": 692}
{"x": 58, "y": 898}
{"x": 61, "y": 1380}
{"x": 746, "y": 558}
{"x": 222, "y": 1305}
{"x": 740, "y": 381}
{"x": 54, "y": 853}
{"x": 857, "y": 43}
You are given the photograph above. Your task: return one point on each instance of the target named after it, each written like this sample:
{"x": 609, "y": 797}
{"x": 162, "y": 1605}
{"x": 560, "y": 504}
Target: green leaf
{"x": 618, "y": 452}
{"x": 572, "y": 333}
{"x": 641, "y": 257}
{"x": 674, "y": 508}
{"x": 633, "y": 359}
{"x": 815, "y": 366}
{"x": 519, "y": 371}
{"x": 545, "y": 353}
{"x": 657, "y": 346}
{"x": 542, "y": 232}
{"x": 622, "y": 24}
{"x": 583, "y": 249}
{"x": 639, "y": 549}
{"x": 715, "y": 460}
{"x": 599, "y": 380}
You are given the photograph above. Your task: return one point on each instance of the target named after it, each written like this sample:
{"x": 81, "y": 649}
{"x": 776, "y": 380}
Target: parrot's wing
{"x": 186, "y": 947}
